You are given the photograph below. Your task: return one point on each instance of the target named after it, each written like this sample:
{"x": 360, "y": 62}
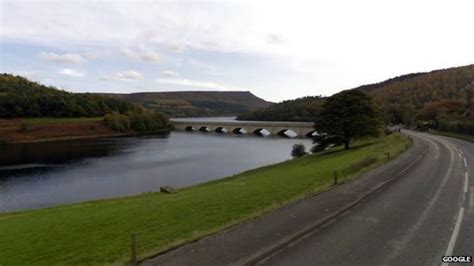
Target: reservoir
{"x": 38, "y": 175}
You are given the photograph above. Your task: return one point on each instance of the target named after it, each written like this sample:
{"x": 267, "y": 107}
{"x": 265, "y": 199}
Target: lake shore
{"x": 98, "y": 232}
{"x": 30, "y": 130}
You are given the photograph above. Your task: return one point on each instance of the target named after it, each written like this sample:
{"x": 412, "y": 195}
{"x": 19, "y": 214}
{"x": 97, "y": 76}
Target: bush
{"x": 117, "y": 122}
{"x": 140, "y": 120}
{"x": 298, "y": 150}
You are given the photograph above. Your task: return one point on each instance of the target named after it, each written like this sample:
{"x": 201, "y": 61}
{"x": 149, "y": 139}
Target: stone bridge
{"x": 289, "y": 129}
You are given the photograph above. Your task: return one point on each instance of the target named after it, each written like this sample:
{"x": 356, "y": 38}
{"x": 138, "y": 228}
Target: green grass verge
{"x": 98, "y": 232}
{"x": 56, "y": 120}
{"x": 455, "y": 135}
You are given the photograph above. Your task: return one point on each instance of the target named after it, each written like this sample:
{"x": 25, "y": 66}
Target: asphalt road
{"x": 411, "y": 211}
{"x": 427, "y": 213}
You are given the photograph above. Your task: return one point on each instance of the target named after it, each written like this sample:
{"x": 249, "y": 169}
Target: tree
{"x": 346, "y": 116}
{"x": 298, "y": 150}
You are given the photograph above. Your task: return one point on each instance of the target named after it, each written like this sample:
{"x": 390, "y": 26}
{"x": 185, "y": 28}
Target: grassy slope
{"x": 455, "y": 135}
{"x": 55, "y": 120}
{"x": 99, "y": 232}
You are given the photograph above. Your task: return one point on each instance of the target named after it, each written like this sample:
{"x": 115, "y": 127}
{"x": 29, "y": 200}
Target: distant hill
{"x": 443, "y": 98}
{"x": 20, "y": 97}
{"x": 195, "y": 103}
{"x": 301, "y": 109}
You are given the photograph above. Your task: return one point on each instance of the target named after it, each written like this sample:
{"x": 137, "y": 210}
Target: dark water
{"x": 39, "y": 175}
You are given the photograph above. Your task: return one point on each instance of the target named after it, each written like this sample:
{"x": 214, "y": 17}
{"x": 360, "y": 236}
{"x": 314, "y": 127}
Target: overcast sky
{"x": 276, "y": 49}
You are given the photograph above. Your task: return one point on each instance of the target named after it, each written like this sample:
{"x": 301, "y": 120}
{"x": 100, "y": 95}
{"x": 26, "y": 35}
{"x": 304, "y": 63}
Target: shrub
{"x": 139, "y": 120}
{"x": 298, "y": 150}
{"x": 117, "y": 121}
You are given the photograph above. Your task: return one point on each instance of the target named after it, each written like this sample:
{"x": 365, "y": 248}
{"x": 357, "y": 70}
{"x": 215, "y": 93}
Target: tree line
{"x": 20, "y": 97}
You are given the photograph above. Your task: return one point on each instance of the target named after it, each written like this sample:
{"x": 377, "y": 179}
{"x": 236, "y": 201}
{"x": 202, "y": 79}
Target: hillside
{"x": 445, "y": 94}
{"x": 195, "y": 103}
{"x": 20, "y": 97}
{"x": 442, "y": 99}
{"x": 301, "y": 109}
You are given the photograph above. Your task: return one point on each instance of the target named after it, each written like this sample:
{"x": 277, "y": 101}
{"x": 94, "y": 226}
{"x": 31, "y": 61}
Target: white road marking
{"x": 466, "y": 182}
{"x": 465, "y": 163}
{"x": 455, "y": 234}
{"x": 471, "y": 198}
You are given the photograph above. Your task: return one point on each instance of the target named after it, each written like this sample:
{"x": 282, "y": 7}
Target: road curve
{"x": 411, "y": 211}
{"x": 426, "y": 214}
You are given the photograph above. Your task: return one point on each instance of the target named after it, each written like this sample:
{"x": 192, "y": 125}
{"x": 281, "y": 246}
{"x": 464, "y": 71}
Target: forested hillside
{"x": 195, "y": 103}
{"x": 20, "y": 97}
{"x": 302, "y": 109}
{"x": 443, "y": 97}
{"x": 440, "y": 99}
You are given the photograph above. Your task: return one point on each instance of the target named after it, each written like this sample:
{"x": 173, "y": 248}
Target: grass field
{"x": 62, "y": 120}
{"x": 99, "y": 232}
{"x": 455, "y": 135}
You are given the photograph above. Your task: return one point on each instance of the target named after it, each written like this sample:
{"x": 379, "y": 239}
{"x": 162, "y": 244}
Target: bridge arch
{"x": 221, "y": 130}
{"x": 311, "y": 134}
{"x": 189, "y": 128}
{"x": 239, "y": 130}
{"x": 204, "y": 129}
{"x": 262, "y": 132}
{"x": 287, "y": 133}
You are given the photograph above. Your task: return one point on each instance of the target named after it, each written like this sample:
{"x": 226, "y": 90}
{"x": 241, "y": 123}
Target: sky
{"x": 278, "y": 50}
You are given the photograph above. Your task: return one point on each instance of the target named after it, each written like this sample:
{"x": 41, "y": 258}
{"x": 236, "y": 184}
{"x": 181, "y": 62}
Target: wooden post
{"x": 133, "y": 247}
{"x": 388, "y": 156}
{"x": 335, "y": 178}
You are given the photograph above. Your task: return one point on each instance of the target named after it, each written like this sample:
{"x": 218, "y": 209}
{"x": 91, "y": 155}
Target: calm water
{"x": 39, "y": 175}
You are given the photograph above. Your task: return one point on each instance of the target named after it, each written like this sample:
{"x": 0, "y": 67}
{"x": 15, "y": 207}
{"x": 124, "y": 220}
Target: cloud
{"x": 63, "y": 58}
{"x": 71, "y": 72}
{"x": 273, "y": 38}
{"x": 169, "y": 74}
{"x": 127, "y": 75}
{"x": 141, "y": 55}
{"x": 261, "y": 47}
{"x": 197, "y": 83}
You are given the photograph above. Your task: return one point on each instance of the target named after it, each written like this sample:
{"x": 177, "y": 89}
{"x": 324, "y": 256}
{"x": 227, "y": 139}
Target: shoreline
{"x": 98, "y": 136}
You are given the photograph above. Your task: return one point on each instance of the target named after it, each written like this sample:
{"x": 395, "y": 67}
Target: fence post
{"x": 388, "y": 156}
{"x": 335, "y": 178}
{"x": 133, "y": 247}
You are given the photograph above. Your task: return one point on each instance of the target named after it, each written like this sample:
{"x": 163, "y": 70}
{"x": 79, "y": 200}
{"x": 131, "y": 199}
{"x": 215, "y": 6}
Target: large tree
{"x": 346, "y": 116}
